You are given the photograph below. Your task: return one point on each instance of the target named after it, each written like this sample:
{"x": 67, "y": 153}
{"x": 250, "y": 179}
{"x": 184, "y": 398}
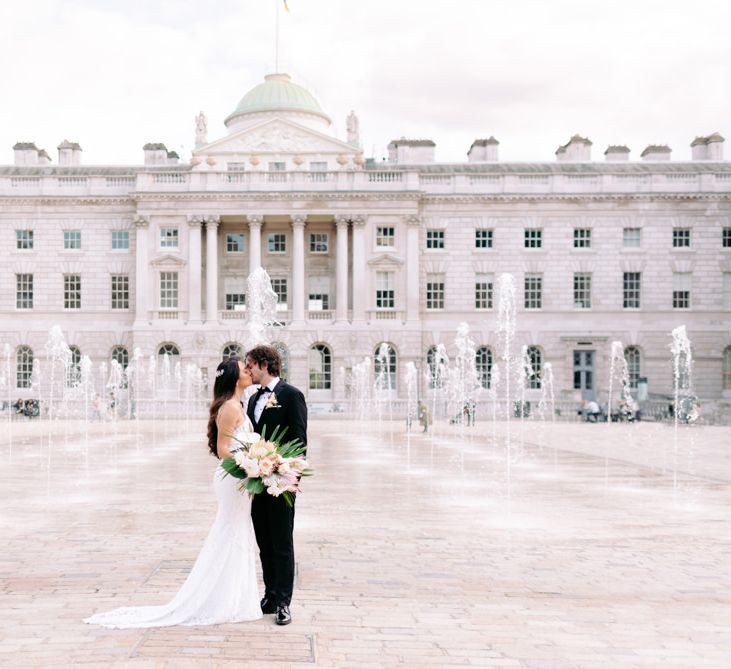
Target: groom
{"x": 275, "y": 405}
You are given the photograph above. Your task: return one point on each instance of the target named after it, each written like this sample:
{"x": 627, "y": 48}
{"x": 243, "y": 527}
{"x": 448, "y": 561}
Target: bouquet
{"x": 268, "y": 464}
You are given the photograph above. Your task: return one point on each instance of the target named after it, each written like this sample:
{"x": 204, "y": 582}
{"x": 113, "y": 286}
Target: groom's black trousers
{"x": 273, "y": 524}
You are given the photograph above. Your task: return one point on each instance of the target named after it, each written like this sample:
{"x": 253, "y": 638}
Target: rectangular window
{"x": 483, "y": 291}
{"x": 726, "y": 238}
{"x": 169, "y": 238}
{"x": 72, "y": 239}
{"x": 277, "y": 242}
{"x": 435, "y": 239}
{"x": 277, "y": 166}
{"x": 533, "y": 238}
{"x": 727, "y": 290}
{"x": 235, "y": 302}
{"x": 582, "y": 290}
{"x": 236, "y": 166}
{"x": 120, "y": 239}
{"x": 631, "y": 290}
{"x": 318, "y": 242}
{"x": 681, "y": 238}
{"x": 72, "y": 291}
{"x": 120, "y": 291}
{"x": 385, "y": 294}
{"x": 168, "y": 290}
{"x": 234, "y": 290}
{"x": 318, "y": 166}
{"x": 234, "y": 242}
{"x": 435, "y": 291}
{"x": 631, "y": 237}
{"x": 319, "y": 293}
{"x": 582, "y": 238}
{"x": 24, "y": 291}
{"x": 483, "y": 238}
{"x": 533, "y": 291}
{"x": 681, "y": 290}
{"x": 385, "y": 236}
{"x": 24, "y": 239}
{"x": 279, "y": 286}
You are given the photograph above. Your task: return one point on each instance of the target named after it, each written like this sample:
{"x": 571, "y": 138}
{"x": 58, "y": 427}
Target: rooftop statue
{"x": 352, "y": 125}
{"x": 201, "y": 130}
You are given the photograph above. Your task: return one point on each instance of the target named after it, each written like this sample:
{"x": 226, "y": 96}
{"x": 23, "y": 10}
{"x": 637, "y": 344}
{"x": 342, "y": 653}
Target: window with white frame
{"x": 319, "y": 293}
{"x": 582, "y": 238}
{"x": 120, "y": 239}
{"x": 318, "y": 165}
{"x": 727, "y": 368}
{"x": 483, "y": 366}
{"x": 23, "y": 291}
{"x": 73, "y": 373}
{"x": 232, "y": 350}
{"x": 121, "y": 355}
{"x": 726, "y": 238}
{"x": 632, "y": 358}
{"x": 24, "y": 366}
{"x": 727, "y": 290}
{"x": 386, "y": 236}
{"x": 483, "y": 291}
{"x": 384, "y": 367}
{"x": 169, "y": 349}
{"x": 681, "y": 290}
{"x": 385, "y": 293}
{"x": 320, "y": 367}
{"x": 435, "y": 239}
{"x": 631, "y": 237}
{"x": 120, "y": 291}
{"x": 24, "y": 240}
{"x": 436, "y": 366}
{"x": 234, "y": 293}
{"x": 279, "y": 286}
{"x": 681, "y": 238}
{"x": 72, "y": 291}
{"x": 234, "y": 242}
{"x": 169, "y": 238}
{"x": 72, "y": 239}
{"x": 582, "y": 290}
{"x": 435, "y": 291}
{"x": 236, "y": 166}
{"x": 533, "y": 291}
{"x": 168, "y": 290}
{"x": 318, "y": 242}
{"x": 277, "y": 242}
{"x": 277, "y": 166}
{"x": 631, "y": 282}
{"x": 535, "y": 358}
{"x": 533, "y": 238}
{"x": 483, "y": 238}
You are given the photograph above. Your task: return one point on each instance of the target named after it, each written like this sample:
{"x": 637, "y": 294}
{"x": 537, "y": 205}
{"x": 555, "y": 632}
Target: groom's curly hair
{"x": 268, "y": 355}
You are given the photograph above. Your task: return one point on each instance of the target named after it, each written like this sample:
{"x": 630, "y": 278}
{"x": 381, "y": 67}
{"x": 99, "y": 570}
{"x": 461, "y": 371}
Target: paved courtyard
{"x": 590, "y": 546}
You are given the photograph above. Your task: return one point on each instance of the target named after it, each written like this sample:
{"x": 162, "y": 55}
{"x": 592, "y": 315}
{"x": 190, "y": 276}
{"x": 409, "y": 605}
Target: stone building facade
{"x": 156, "y": 256}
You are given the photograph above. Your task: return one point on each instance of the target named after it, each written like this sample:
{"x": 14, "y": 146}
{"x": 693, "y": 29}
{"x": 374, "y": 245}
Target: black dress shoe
{"x": 268, "y": 605}
{"x": 284, "y": 617}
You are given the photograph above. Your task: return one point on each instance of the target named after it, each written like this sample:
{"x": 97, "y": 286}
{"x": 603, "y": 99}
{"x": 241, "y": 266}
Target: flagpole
{"x": 276, "y": 38}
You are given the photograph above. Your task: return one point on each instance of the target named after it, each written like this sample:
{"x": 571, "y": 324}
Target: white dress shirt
{"x": 261, "y": 402}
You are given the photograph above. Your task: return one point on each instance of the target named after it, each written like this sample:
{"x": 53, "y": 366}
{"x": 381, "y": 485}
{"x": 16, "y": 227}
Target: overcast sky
{"x": 114, "y": 75}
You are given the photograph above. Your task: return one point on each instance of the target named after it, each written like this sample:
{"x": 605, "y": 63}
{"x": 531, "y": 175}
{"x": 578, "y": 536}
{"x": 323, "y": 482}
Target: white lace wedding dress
{"x": 222, "y": 586}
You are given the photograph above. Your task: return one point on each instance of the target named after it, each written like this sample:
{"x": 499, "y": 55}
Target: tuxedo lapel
{"x": 250, "y": 411}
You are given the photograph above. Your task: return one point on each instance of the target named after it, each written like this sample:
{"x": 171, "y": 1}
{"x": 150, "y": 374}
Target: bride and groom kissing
{"x": 222, "y": 586}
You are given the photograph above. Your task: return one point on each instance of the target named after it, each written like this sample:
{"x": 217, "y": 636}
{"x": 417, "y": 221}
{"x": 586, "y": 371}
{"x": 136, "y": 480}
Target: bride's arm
{"x": 229, "y": 416}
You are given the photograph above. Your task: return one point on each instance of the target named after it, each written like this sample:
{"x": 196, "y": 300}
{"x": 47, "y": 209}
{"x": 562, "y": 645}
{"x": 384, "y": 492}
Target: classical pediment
{"x": 168, "y": 260}
{"x": 276, "y": 136}
{"x": 385, "y": 260}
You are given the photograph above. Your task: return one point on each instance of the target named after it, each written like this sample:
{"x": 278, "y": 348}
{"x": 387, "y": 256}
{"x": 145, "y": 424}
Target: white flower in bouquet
{"x": 248, "y": 437}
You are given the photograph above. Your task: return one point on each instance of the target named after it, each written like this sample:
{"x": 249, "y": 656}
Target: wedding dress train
{"x": 222, "y": 586}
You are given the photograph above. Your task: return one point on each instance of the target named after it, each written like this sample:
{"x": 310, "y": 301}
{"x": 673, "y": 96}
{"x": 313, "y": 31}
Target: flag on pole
{"x": 286, "y": 8}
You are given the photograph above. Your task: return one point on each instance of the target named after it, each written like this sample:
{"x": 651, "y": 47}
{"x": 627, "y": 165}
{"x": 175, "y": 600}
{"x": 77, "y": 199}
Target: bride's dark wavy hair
{"x": 227, "y": 376}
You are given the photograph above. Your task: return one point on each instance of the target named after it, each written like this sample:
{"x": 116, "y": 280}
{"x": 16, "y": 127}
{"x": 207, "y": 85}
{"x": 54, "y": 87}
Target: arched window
{"x": 536, "y": 361}
{"x": 384, "y": 366}
{"x": 483, "y": 366}
{"x": 24, "y": 366}
{"x": 632, "y": 358}
{"x": 320, "y": 364}
{"x": 727, "y": 368}
{"x": 284, "y": 355}
{"x": 73, "y": 377}
{"x": 436, "y": 370}
{"x": 232, "y": 350}
{"x": 168, "y": 349}
{"x": 120, "y": 354}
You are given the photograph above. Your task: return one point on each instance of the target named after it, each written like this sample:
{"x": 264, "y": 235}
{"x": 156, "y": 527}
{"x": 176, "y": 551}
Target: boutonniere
{"x": 272, "y": 402}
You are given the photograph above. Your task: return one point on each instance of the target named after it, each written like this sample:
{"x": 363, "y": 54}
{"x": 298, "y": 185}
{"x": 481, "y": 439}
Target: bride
{"x": 222, "y": 586}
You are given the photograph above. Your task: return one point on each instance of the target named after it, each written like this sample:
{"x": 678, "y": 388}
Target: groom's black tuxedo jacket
{"x": 291, "y": 413}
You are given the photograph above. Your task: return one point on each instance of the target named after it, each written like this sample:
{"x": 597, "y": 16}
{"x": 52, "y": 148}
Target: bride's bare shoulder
{"x": 230, "y": 411}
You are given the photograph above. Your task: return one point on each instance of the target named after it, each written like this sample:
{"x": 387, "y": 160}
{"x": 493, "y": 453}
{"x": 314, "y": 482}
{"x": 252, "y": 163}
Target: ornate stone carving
{"x": 196, "y": 221}
{"x": 342, "y": 220}
{"x": 201, "y": 130}
{"x": 281, "y": 137}
{"x": 412, "y": 219}
{"x": 352, "y": 125}
{"x": 212, "y": 221}
{"x": 358, "y": 221}
{"x": 142, "y": 222}
{"x": 255, "y": 220}
{"x": 299, "y": 221}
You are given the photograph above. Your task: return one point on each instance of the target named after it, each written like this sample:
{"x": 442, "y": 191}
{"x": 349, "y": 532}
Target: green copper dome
{"x": 278, "y": 93}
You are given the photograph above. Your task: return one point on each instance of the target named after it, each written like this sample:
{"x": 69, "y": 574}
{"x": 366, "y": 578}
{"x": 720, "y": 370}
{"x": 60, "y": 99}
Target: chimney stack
{"x": 69, "y": 153}
{"x": 173, "y": 158}
{"x": 411, "y": 151}
{"x": 26, "y": 153}
{"x": 483, "y": 150}
{"x": 657, "y": 152}
{"x": 708, "y": 148}
{"x": 616, "y": 153}
{"x": 155, "y": 154}
{"x": 577, "y": 149}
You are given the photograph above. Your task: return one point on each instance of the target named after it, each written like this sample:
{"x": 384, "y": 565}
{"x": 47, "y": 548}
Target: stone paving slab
{"x": 590, "y": 546}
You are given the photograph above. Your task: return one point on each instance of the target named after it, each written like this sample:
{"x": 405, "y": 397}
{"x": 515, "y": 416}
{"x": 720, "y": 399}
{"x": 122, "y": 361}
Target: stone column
{"x": 195, "y": 224}
{"x": 142, "y": 225}
{"x": 359, "y": 263}
{"x": 255, "y": 224}
{"x": 413, "y": 223}
{"x": 212, "y": 268}
{"x": 341, "y": 277}
{"x": 298, "y": 269}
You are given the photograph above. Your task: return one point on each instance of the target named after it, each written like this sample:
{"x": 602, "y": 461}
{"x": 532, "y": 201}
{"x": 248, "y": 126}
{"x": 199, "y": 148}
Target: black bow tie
{"x": 261, "y": 391}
